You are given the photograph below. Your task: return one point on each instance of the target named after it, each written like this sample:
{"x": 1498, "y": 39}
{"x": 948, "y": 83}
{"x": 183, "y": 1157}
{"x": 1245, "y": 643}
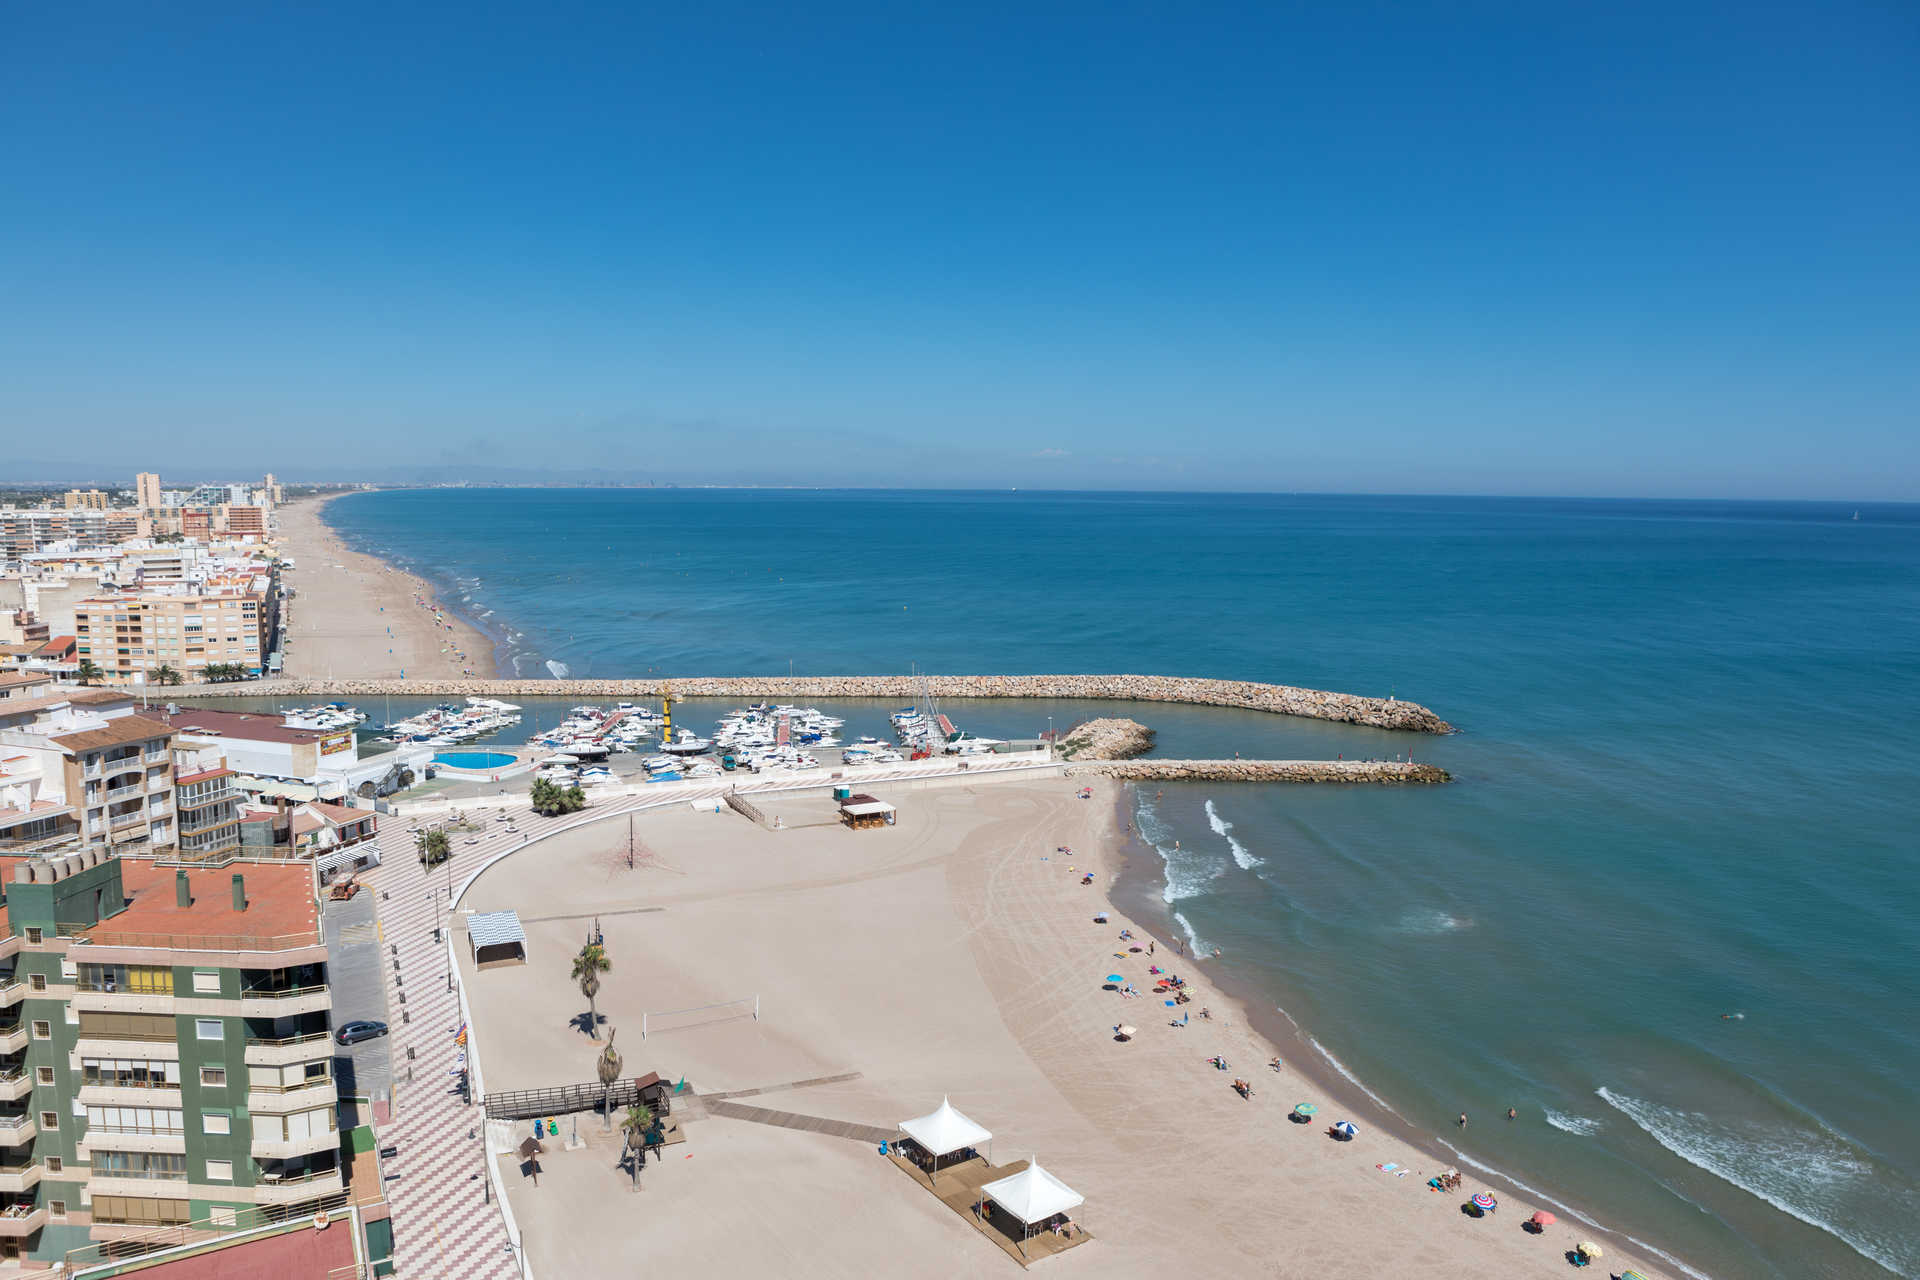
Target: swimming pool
{"x": 481, "y": 760}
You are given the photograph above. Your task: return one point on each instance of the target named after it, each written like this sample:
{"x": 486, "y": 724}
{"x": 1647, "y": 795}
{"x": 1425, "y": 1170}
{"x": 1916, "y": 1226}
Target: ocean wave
{"x": 1581, "y": 1125}
{"x": 1431, "y": 922}
{"x": 1185, "y": 874}
{"x": 560, "y": 669}
{"x": 1224, "y": 829}
{"x": 1195, "y": 947}
{"x": 1535, "y": 1192}
{"x": 1351, "y": 1078}
{"x": 1810, "y": 1175}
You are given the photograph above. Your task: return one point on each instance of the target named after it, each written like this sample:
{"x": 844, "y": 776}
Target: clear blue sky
{"x": 1658, "y": 249}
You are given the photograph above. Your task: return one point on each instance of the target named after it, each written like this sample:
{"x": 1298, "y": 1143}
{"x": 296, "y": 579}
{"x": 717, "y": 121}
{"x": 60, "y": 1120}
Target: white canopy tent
{"x": 945, "y": 1131}
{"x": 1033, "y": 1195}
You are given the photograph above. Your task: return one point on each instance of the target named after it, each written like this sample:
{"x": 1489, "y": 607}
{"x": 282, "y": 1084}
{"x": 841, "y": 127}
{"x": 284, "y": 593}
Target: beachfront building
{"x": 168, "y": 1051}
{"x": 232, "y": 620}
{"x": 89, "y": 771}
{"x": 206, "y": 800}
{"x": 146, "y": 491}
{"x": 275, "y": 760}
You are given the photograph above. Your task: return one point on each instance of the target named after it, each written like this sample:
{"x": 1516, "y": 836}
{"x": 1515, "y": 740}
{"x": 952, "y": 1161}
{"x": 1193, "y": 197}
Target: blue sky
{"x": 1625, "y": 249}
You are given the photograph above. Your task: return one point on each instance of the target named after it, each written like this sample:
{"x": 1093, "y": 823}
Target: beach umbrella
{"x": 1114, "y": 977}
{"x": 1483, "y": 1202}
{"x": 1589, "y": 1248}
{"x": 1345, "y": 1129}
{"x": 1543, "y": 1219}
{"x": 1124, "y": 1031}
{"x": 1304, "y": 1109}
{"x": 1631, "y": 1275}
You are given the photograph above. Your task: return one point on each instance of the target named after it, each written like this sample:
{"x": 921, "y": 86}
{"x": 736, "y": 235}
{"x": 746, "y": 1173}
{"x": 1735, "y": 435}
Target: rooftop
{"x": 114, "y": 733}
{"x": 238, "y": 724}
{"x": 280, "y": 910}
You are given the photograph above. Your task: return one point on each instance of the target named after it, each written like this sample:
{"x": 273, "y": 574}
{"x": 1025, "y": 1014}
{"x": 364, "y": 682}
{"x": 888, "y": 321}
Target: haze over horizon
{"x": 1658, "y": 251}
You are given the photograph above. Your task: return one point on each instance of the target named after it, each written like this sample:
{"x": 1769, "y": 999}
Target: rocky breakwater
{"x": 1105, "y": 740}
{"x": 1390, "y": 772}
{"x": 1278, "y": 699}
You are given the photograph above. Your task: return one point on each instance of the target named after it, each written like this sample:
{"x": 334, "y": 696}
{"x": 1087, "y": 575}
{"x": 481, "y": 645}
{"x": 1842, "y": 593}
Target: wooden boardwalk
{"x": 958, "y": 1188}
{"x": 809, "y": 1124}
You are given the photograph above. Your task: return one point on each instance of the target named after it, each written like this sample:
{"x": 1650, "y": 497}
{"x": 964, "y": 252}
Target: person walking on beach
{"x": 1463, "y": 1119}
{"x": 1149, "y": 948}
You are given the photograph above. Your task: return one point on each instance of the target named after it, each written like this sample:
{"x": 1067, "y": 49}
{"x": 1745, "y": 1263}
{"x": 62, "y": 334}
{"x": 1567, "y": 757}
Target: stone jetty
{"x": 1389, "y": 772}
{"x": 1105, "y": 740}
{"x": 1279, "y": 699}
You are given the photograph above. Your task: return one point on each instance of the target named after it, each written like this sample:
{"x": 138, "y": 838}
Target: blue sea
{"x": 1670, "y": 909}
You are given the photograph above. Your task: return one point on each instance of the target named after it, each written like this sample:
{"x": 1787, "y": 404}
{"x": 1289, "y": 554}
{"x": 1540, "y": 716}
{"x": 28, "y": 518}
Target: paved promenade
{"x": 447, "y": 1225}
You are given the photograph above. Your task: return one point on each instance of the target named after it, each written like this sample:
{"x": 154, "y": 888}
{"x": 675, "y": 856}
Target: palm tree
{"x": 164, "y": 674}
{"x": 87, "y": 672}
{"x": 607, "y": 1066}
{"x": 638, "y": 1123}
{"x": 434, "y": 847}
{"x": 587, "y": 968}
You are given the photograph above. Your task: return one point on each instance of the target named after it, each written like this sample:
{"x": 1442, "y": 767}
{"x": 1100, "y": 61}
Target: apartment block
{"x": 90, "y": 499}
{"x": 182, "y": 629}
{"x": 166, "y": 1055}
{"x": 244, "y": 522}
{"x": 207, "y": 802}
{"x": 82, "y": 769}
{"x": 146, "y": 491}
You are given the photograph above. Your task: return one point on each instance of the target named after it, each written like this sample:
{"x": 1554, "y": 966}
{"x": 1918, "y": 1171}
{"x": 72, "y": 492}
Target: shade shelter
{"x": 1032, "y": 1195}
{"x": 496, "y": 935}
{"x": 945, "y": 1131}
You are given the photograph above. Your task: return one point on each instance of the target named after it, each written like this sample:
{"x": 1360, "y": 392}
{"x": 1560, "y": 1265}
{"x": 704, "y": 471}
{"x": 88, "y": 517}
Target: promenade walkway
{"x": 447, "y": 1224}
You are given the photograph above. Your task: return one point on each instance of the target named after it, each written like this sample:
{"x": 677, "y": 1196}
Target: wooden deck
{"x": 958, "y": 1187}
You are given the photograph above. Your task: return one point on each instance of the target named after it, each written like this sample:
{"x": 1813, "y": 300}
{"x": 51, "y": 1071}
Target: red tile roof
{"x": 280, "y": 908}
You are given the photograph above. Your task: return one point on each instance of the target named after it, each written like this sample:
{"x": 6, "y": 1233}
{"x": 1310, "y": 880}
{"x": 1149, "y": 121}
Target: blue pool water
{"x": 473, "y": 759}
{"x": 1685, "y": 786}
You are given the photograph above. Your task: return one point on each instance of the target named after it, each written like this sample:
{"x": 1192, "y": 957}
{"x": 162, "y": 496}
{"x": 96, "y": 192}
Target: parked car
{"x": 355, "y": 1032}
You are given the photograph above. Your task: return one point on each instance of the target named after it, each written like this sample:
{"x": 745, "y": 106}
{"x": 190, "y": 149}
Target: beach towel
{"x": 1388, "y": 1167}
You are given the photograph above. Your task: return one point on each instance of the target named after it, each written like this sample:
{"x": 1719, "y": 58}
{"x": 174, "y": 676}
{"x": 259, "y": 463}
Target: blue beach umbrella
{"x": 1304, "y": 1109}
{"x": 1114, "y": 977}
{"x": 1345, "y": 1129}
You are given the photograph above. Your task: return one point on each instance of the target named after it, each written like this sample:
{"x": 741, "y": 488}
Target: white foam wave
{"x": 1809, "y": 1175}
{"x": 1195, "y": 947}
{"x": 560, "y": 669}
{"x": 1581, "y": 1125}
{"x": 1535, "y": 1192}
{"x": 1431, "y": 922}
{"x": 1224, "y": 829}
{"x": 1351, "y": 1078}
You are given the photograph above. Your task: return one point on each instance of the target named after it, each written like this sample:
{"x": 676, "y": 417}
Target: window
{"x": 49, "y": 1119}
{"x": 34, "y": 933}
{"x": 55, "y": 1164}
{"x": 43, "y": 1075}
{"x": 139, "y": 1211}
{"x": 165, "y": 1120}
{"x": 130, "y": 1073}
{"x": 206, "y": 983}
{"x": 36, "y": 982}
{"x": 219, "y": 1171}
{"x": 208, "y": 1029}
{"x": 213, "y": 1077}
{"x": 216, "y": 1122}
{"x": 42, "y": 1029}
{"x": 223, "y": 1216}
{"x": 68, "y": 969}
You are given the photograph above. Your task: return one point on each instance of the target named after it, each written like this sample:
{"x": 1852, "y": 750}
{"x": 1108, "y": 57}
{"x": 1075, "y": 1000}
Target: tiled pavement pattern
{"x": 446, "y": 1223}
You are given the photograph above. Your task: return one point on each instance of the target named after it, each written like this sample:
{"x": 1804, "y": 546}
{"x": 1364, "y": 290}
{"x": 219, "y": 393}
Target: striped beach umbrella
{"x": 1483, "y": 1202}
{"x": 1304, "y": 1109}
{"x": 1345, "y": 1129}
{"x": 1631, "y": 1275}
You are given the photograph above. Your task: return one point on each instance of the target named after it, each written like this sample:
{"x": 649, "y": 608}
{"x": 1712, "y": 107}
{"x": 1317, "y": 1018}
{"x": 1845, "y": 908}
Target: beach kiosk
{"x": 862, "y": 811}
{"x": 945, "y": 1131}
{"x": 1033, "y": 1196}
{"x": 496, "y": 937}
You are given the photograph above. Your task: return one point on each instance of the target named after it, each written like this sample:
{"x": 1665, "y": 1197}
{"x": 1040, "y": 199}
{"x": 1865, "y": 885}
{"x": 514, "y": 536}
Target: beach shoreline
{"x": 952, "y": 954}
{"x": 355, "y": 616}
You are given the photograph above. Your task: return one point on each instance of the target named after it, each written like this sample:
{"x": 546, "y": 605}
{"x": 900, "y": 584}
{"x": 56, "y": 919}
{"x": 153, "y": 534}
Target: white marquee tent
{"x": 1033, "y": 1195}
{"x": 945, "y": 1131}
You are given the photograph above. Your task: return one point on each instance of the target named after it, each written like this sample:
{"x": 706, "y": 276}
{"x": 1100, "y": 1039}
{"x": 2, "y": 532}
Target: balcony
{"x": 293, "y": 1148}
{"x": 15, "y": 1084}
{"x": 12, "y": 992}
{"x": 285, "y": 1002}
{"x": 113, "y": 1095}
{"x": 34, "y": 844}
{"x": 21, "y": 1221}
{"x": 300, "y": 1097}
{"x": 279, "y": 1053}
{"x": 108, "y": 1138}
{"x": 17, "y": 1131}
{"x": 89, "y": 997}
{"x": 127, "y": 821}
{"x": 125, "y": 791}
{"x": 124, "y": 1183}
{"x": 271, "y": 1190}
{"x": 13, "y": 1038}
{"x": 19, "y": 1177}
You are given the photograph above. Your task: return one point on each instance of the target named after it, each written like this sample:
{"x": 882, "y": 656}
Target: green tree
{"x": 87, "y": 672}
{"x": 433, "y": 846}
{"x": 164, "y": 674}
{"x": 550, "y": 799}
{"x": 637, "y": 1125}
{"x": 587, "y": 968}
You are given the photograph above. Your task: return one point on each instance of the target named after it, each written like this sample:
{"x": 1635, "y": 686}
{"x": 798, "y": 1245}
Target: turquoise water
{"x": 474, "y": 759}
{"x": 1687, "y": 786}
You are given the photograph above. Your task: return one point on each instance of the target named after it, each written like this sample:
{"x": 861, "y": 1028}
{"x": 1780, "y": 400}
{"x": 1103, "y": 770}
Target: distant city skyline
{"x": 1646, "y": 251}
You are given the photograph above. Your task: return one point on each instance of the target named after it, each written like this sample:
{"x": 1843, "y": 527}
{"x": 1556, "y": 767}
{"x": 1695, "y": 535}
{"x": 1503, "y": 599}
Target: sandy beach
{"x": 354, "y": 615}
{"x": 954, "y": 954}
